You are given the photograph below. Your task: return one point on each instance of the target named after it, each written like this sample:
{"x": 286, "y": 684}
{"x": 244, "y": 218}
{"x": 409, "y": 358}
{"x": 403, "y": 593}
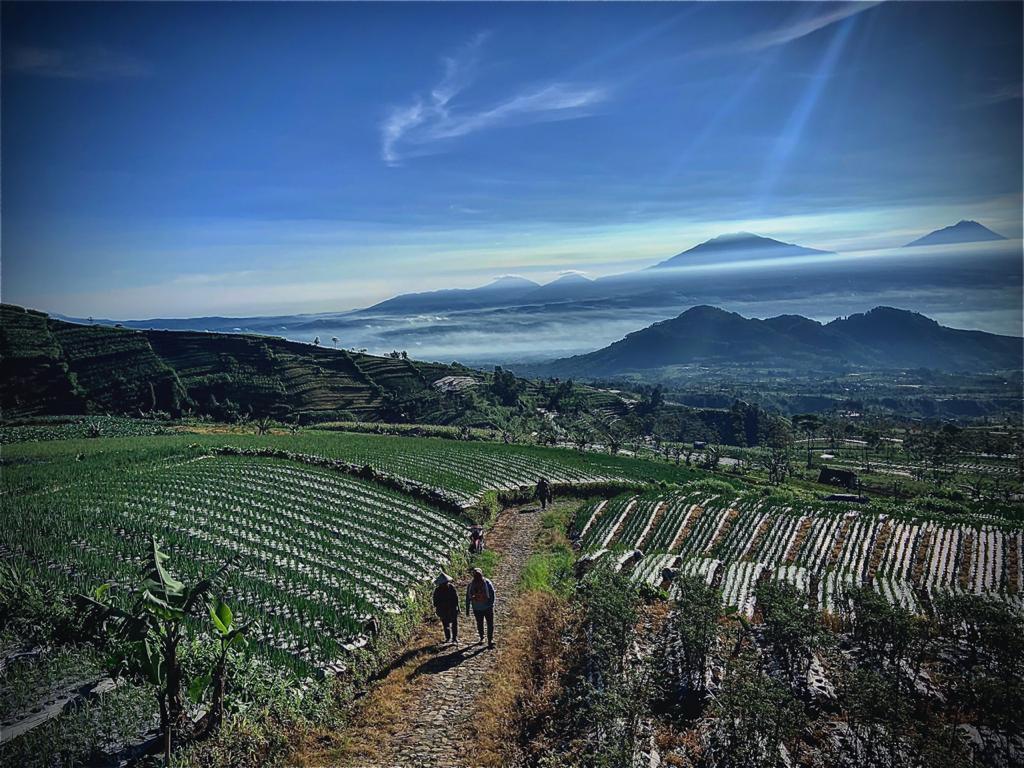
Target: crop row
{"x": 819, "y": 549}
{"x": 317, "y": 551}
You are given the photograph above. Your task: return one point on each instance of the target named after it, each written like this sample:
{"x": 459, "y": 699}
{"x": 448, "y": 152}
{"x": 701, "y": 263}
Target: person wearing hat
{"x": 480, "y": 597}
{"x": 543, "y": 492}
{"x": 446, "y": 605}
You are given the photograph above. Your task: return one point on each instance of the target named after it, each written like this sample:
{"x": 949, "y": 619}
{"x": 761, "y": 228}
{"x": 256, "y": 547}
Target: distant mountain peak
{"x": 570, "y": 277}
{"x": 737, "y": 246}
{"x": 510, "y": 281}
{"x": 964, "y": 231}
{"x": 705, "y": 310}
{"x": 733, "y": 237}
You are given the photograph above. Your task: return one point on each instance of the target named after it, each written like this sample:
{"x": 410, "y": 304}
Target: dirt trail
{"x": 420, "y": 713}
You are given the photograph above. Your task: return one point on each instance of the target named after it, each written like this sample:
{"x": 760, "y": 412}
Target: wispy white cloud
{"x": 83, "y": 63}
{"x": 465, "y": 209}
{"x": 800, "y": 26}
{"x": 998, "y": 94}
{"x": 417, "y": 127}
{"x": 210, "y": 278}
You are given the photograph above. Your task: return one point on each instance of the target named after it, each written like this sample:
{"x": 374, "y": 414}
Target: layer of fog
{"x": 974, "y": 287}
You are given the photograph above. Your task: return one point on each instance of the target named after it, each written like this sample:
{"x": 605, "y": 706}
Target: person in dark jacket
{"x": 446, "y": 605}
{"x": 480, "y": 598}
{"x": 543, "y": 493}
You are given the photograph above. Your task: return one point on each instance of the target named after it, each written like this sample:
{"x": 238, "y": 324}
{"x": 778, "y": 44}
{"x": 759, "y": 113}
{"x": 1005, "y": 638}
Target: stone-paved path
{"x": 431, "y": 727}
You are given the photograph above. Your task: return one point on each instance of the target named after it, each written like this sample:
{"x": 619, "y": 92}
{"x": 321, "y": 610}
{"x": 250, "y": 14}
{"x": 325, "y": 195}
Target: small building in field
{"x": 844, "y": 478}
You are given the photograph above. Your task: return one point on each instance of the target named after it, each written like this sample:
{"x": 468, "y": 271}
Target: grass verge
{"x": 525, "y": 682}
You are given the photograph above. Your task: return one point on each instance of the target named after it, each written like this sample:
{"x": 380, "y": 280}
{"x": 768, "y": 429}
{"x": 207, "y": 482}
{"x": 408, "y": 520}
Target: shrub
{"x": 753, "y": 714}
{"x": 713, "y": 485}
{"x": 791, "y": 629}
{"x": 486, "y": 509}
{"x": 693, "y": 625}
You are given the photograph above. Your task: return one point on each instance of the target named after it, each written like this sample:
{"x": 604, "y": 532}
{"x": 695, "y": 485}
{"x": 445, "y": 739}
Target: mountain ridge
{"x": 883, "y": 337}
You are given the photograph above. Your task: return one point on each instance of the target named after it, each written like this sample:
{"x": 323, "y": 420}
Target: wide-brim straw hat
{"x": 444, "y": 578}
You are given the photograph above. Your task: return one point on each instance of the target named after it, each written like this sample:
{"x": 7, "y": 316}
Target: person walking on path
{"x": 543, "y": 492}
{"x": 480, "y": 597}
{"x": 446, "y": 605}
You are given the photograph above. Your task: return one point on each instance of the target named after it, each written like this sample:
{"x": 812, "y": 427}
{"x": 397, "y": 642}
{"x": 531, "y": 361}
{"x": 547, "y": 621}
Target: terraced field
{"x": 737, "y": 542}
{"x": 57, "y": 368}
{"x": 317, "y": 552}
{"x": 34, "y": 378}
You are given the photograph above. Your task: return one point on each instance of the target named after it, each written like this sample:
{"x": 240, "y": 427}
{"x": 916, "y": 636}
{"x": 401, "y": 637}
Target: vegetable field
{"x": 735, "y": 543}
{"x": 317, "y": 552}
{"x": 464, "y": 470}
{"x": 467, "y": 469}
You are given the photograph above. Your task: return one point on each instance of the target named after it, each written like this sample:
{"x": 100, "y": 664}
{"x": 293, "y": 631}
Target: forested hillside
{"x": 58, "y": 368}
{"x": 55, "y": 367}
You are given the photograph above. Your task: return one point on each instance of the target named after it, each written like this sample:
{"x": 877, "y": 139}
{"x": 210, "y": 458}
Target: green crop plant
{"x": 146, "y": 637}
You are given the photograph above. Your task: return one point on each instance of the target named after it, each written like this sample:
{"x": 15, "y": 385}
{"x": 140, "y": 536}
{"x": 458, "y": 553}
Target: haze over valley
{"x": 961, "y": 280}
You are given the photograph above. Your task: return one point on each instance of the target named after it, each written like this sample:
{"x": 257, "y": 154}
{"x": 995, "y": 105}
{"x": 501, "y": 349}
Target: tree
{"x": 505, "y": 386}
{"x": 546, "y": 433}
{"x": 878, "y": 715}
{"x": 687, "y": 453}
{"x": 510, "y": 426}
{"x": 316, "y": 341}
{"x": 891, "y": 635}
{"x": 835, "y": 430}
{"x": 774, "y": 457}
{"x": 229, "y": 635}
{"x": 616, "y": 434}
{"x": 581, "y": 438}
{"x": 262, "y": 425}
{"x": 808, "y": 424}
{"x": 934, "y": 450}
{"x": 335, "y": 340}
{"x": 711, "y": 456}
{"x": 872, "y": 439}
{"x": 652, "y": 400}
{"x": 562, "y": 398}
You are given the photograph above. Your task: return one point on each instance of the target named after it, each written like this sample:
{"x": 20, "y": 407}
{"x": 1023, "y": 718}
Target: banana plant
{"x": 228, "y": 634}
{"x": 147, "y": 636}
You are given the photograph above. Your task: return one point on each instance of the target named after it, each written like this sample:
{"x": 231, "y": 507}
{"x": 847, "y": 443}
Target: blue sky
{"x": 184, "y": 159}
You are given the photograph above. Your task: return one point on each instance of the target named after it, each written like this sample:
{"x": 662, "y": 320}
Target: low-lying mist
{"x": 974, "y": 287}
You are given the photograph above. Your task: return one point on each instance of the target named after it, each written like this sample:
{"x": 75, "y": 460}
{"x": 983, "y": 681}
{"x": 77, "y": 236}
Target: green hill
{"x": 883, "y": 338}
{"x": 56, "y": 367}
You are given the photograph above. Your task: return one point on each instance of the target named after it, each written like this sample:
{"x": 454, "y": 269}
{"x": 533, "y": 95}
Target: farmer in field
{"x": 543, "y": 492}
{"x": 446, "y": 605}
{"x": 480, "y": 597}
